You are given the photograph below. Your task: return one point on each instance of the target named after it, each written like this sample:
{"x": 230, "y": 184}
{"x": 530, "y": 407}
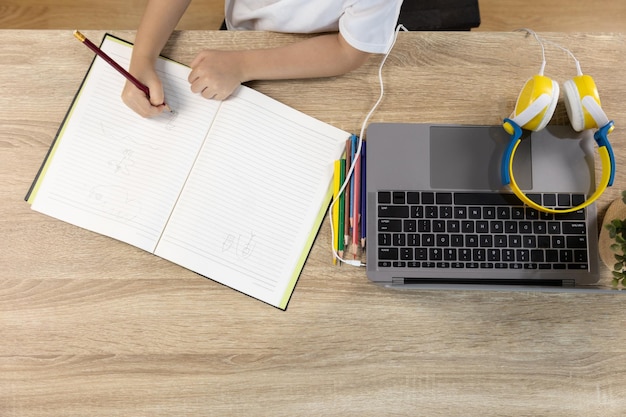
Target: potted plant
{"x": 612, "y": 244}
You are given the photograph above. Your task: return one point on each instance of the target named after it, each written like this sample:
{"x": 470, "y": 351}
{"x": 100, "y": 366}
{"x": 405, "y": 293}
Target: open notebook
{"x": 234, "y": 190}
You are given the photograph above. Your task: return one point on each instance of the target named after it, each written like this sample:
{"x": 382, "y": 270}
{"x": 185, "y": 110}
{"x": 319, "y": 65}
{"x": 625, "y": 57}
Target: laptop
{"x": 438, "y": 216}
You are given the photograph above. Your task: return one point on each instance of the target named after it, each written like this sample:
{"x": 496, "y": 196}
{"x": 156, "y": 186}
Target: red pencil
{"x": 114, "y": 64}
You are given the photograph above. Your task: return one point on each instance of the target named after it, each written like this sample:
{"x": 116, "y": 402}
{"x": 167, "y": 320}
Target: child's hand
{"x": 216, "y": 74}
{"x": 137, "y": 100}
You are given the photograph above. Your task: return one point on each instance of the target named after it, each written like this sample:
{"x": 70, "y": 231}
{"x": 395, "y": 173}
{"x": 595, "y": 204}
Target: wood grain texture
{"x": 496, "y": 15}
{"x": 93, "y": 327}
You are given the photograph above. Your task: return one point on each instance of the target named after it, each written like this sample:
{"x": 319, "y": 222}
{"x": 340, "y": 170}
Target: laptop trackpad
{"x": 469, "y": 158}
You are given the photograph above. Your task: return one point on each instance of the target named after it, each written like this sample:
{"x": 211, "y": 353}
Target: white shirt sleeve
{"x": 369, "y": 25}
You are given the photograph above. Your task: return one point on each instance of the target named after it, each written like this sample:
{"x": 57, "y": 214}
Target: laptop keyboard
{"x": 417, "y": 229}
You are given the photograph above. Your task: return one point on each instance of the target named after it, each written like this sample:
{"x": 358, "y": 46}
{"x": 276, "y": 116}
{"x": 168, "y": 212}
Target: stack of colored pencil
{"x": 348, "y": 213}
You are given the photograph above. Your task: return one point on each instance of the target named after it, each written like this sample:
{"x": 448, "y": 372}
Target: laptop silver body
{"x": 431, "y": 159}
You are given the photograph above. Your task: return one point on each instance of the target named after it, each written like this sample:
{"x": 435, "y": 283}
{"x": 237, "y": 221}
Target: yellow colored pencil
{"x": 335, "y": 210}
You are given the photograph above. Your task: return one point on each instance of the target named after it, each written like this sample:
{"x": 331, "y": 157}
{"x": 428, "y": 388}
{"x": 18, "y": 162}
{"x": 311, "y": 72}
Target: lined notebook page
{"x": 255, "y": 198}
{"x": 114, "y": 172}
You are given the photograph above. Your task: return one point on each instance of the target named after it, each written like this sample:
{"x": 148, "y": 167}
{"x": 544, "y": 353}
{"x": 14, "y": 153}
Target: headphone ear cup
{"x": 574, "y": 91}
{"x": 538, "y": 87}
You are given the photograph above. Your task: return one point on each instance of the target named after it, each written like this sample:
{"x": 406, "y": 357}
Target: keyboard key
{"x": 413, "y": 198}
{"x": 393, "y": 212}
{"x": 387, "y": 225}
{"x": 410, "y": 226}
{"x": 554, "y": 228}
{"x": 467, "y": 226}
{"x": 485, "y": 199}
{"x": 399, "y": 239}
{"x": 510, "y": 226}
{"x": 417, "y": 212}
{"x": 399, "y": 197}
{"x": 444, "y": 198}
{"x": 460, "y": 212}
{"x": 443, "y": 240}
{"x": 496, "y": 226}
{"x": 431, "y": 212}
{"x": 540, "y": 228}
{"x": 529, "y": 241}
{"x": 486, "y": 241}
{"x": 456, "y": 240}
{"x": 517, "y": 213}
{"x": 576, "y": 242}
{"x": 580, "y": 256}
{"x": 532, "y": 214}
{"x": 549, "y": 200}
{"x": 471, "y": 241}
{"x": 489, "y": 212}
{"x": 439, "y": 226}
{"x": 474, "y": 213}
{"x": 577, "y": 199}
{"x": 388, "y": 254}
{"x": 563, "y": 200}
{"x": 428, "y": 198}
{"x": 525, "y": 227}
{"x": 566, "y": 256}
{"x": 503, "y": 213}
{"x": 537, "y": 256}
{"x": 445, "y": 212}
{"x": 384, "y": 197}
{"x": 479, "y": 255}
{"x": 515, "y": 241}
{"x": 482, "y": 226}
{"x": 500, "y": 241}
{"x": 428, "y": 240}
{"x": 449, "y": 254}
{"x": 435, "y": 254}
{"x": 493, "y": 255}
{"x": 453, "y": 226}
{"x": 574, "y": 228}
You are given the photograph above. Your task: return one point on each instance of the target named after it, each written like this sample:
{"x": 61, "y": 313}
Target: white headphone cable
{"x": 357, "y": 153}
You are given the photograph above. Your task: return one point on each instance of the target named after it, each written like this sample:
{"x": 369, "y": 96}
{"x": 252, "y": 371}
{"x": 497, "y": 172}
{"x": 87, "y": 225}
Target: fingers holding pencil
{"x": 138, "y": 101}
{"x": 145, "y": 99}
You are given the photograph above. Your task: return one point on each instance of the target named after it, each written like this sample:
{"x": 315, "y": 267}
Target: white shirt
{"x": 367, "y": 25}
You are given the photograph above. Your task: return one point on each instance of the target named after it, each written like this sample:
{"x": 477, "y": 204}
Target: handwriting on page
{"x": 241, "y": 245}
{"x": 115, "y": 201}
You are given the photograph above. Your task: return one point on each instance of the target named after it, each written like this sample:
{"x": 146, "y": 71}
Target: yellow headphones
{"x": 534, "y": 109}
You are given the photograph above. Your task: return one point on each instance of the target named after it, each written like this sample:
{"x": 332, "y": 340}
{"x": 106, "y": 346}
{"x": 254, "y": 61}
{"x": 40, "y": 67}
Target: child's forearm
{"x": 319, "y": 56}
{"x": 216, "y": 74}
{"x": 157, "y": 24}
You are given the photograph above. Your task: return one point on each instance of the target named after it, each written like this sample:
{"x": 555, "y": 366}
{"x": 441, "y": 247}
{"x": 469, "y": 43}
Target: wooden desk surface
{"x": 93, "y": 327}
